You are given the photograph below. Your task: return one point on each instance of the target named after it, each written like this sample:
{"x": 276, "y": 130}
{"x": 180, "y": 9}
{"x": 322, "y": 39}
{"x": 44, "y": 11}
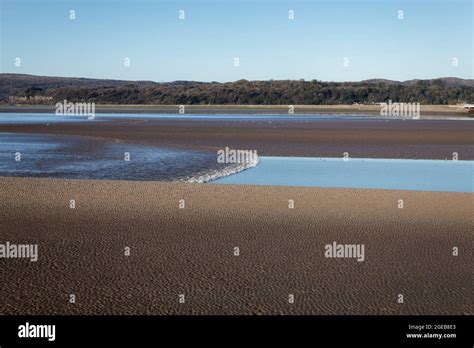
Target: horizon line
{"x": 223, "y": 82}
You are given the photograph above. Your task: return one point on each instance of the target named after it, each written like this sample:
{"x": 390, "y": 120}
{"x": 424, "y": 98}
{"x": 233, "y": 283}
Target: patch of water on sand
{"x": 395, "y": 174}
{"x": 75, "y": 157}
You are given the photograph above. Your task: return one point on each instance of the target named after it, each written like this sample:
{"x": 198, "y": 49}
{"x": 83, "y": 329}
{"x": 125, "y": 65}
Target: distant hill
{"x": 16, "y": 81}
{"x": 31, "y": 89}
{"x": 382, "y": 81}
{"x": 449, "y": 81}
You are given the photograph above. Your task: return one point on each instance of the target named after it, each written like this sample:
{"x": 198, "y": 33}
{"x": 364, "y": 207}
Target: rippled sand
{"x": 190, "y": 251}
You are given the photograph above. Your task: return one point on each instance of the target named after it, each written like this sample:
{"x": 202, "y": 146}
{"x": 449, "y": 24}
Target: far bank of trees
{"x": 283, "y": 92}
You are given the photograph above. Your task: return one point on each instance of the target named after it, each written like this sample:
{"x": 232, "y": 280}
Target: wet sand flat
{"x": 425, "y": 110}
{"x": 190, "y": 251}
{"x": 422, "y": 139}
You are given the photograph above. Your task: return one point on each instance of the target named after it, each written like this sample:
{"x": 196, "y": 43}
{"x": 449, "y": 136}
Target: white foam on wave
{"x": 220, "y": 173}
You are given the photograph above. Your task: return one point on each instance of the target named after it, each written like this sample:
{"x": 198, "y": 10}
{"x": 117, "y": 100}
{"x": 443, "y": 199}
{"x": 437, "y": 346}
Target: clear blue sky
{"x": 161, "y": 47}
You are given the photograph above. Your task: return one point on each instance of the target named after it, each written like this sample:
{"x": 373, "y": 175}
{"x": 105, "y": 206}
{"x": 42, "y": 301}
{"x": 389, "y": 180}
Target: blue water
{"x": 31, "y": 118}
{"x": 397, "y": 174}
{"x": 72, "y": 157}
{"x": 237, "y": 117}
{"x": 41, "y": 118}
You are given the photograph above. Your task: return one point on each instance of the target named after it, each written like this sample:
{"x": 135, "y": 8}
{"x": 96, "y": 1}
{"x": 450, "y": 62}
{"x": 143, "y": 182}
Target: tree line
{"x": 243, "y": 92}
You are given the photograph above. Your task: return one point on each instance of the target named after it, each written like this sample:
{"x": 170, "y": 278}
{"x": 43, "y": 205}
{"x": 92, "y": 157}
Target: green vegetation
{"x": 45, "y": 90}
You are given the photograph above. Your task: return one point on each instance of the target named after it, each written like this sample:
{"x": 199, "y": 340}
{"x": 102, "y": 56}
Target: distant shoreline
{"x": 371, "y": 110}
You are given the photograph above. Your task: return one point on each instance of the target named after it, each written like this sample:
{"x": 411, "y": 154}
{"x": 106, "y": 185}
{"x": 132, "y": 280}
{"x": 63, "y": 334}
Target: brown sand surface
{"x": 425, "y": 110}
{"x": 190, "y": 251}
{"x": 427, "y": 139}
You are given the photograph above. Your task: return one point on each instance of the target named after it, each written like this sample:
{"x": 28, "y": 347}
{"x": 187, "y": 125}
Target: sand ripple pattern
{"x": 190, "y": 251}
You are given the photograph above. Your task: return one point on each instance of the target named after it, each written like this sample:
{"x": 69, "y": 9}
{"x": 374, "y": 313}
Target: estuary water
{"x": 367, "y": 173}
{"x": 82, "y": 157}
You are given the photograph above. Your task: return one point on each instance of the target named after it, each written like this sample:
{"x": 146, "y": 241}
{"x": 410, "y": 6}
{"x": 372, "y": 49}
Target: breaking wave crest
{"x": 220, "y": 173}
